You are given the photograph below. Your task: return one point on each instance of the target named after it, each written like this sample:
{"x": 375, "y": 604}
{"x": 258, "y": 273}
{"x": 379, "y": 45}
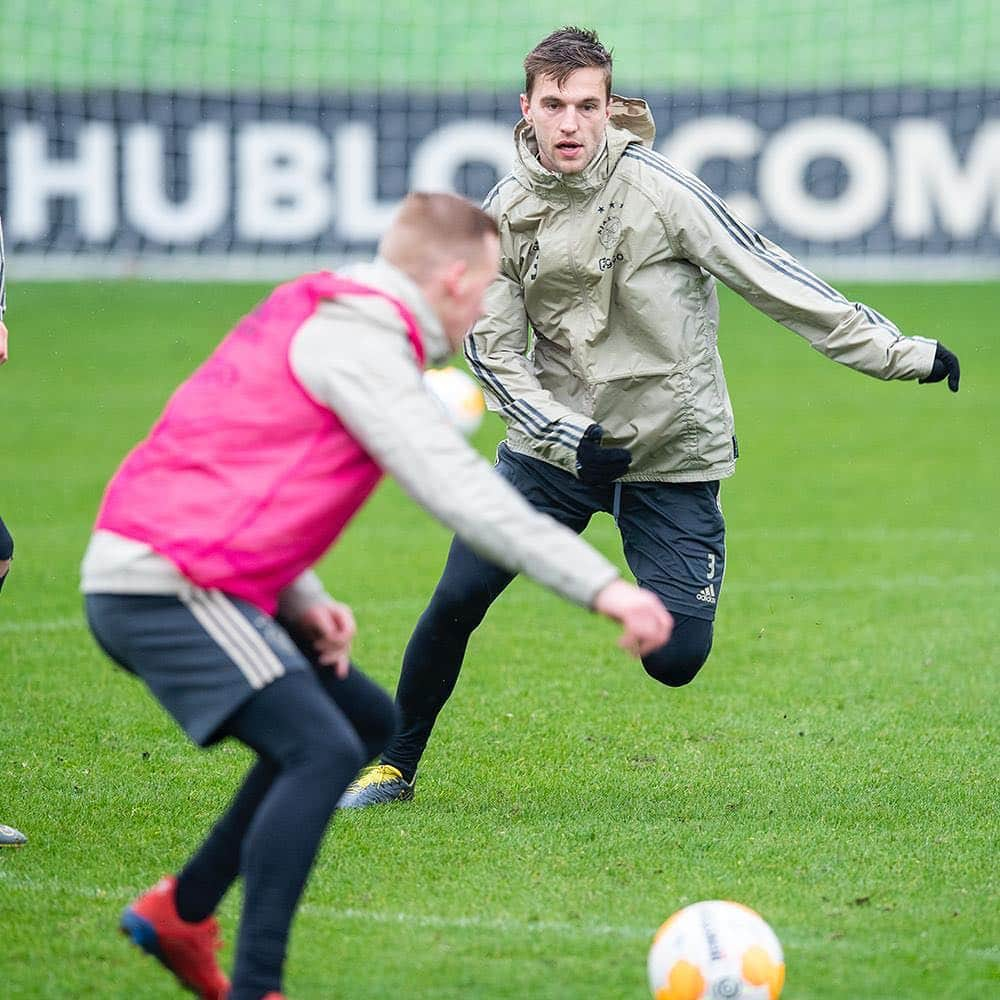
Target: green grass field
{"x": 834, "y": 766}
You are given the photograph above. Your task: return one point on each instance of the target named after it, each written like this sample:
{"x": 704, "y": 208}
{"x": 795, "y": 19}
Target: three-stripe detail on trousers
{"x": 243, "y": 644}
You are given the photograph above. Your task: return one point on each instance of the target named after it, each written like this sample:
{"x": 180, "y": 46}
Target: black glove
{"x": 945, "y": 364}
{"x": 597, "y": 466}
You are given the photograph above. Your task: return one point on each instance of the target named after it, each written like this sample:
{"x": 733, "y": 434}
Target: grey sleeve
{"x": 497, "y": 353}
{"x": 368, "y": 377}
{"x": 305, "y": 591}
{"x": 705, "y": 231}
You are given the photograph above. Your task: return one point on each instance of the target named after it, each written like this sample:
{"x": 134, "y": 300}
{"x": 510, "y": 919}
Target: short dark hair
{"x": 564, "y": 51}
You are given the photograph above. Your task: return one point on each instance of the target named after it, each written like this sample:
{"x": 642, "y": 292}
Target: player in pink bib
{"x": 198, "y": 578}
{"x": 246, "y": 480}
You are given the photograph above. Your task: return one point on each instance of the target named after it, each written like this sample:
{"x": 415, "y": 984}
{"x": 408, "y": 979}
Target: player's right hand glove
{"x": 945, "y": 365}
{"x": 597, "y": 466}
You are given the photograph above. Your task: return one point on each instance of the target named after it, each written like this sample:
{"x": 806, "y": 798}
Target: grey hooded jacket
{"x": 606, "y": 309}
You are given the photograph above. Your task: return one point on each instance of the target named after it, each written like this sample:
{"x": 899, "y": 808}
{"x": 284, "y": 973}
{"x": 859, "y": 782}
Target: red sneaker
{"x": 186, "y": 949}
{"x": 273, "y": 996}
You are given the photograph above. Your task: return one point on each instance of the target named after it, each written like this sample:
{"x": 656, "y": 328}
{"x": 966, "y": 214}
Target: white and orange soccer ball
{"x": 716, "y": 950}
{"x": 459, "y": 395}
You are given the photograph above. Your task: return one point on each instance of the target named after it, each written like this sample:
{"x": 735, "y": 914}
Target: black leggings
{"x": 311, "y": 734}
{"x": 6, "y": 542}
{"x": 6, "y": 548}
{"x": 434, "y": 654}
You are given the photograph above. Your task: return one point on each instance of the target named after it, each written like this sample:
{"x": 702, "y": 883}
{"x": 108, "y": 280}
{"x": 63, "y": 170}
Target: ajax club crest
{"x": 610, "y": 232}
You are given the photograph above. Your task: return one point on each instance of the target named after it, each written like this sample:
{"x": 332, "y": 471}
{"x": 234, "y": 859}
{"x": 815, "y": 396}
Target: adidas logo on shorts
{"x": 707, "y": 594}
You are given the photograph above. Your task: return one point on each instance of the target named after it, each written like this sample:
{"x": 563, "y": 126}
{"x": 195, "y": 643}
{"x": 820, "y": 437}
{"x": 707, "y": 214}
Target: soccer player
{"x": 6, "y": 542}
{"x": 601, "y": 330}
{"x": 3, "y": 300}
{"x": 9, "y": 837}
{"x": 198, "y": 580}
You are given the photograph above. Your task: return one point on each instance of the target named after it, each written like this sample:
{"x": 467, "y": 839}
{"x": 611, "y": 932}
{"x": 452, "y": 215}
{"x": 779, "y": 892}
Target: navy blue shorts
{"x": 673, "y": 534}
{"x": 202, "y": 654}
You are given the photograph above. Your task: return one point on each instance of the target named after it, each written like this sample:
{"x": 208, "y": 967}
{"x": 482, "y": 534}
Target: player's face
{"x": 465, "y": 301}
{"x": 569, "y": 121}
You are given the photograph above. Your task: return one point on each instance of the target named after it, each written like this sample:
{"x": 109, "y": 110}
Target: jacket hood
{"x": 630, "y": 121}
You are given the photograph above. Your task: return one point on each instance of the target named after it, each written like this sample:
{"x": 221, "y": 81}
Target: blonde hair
{"x": 432, "y": 229}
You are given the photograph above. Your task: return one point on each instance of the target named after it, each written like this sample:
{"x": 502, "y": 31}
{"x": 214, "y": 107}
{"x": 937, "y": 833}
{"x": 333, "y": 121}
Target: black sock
{"x": 408, "y": 773}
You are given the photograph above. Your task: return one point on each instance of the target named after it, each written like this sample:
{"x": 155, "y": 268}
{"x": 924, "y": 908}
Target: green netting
{"x": 426, "y": 44}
